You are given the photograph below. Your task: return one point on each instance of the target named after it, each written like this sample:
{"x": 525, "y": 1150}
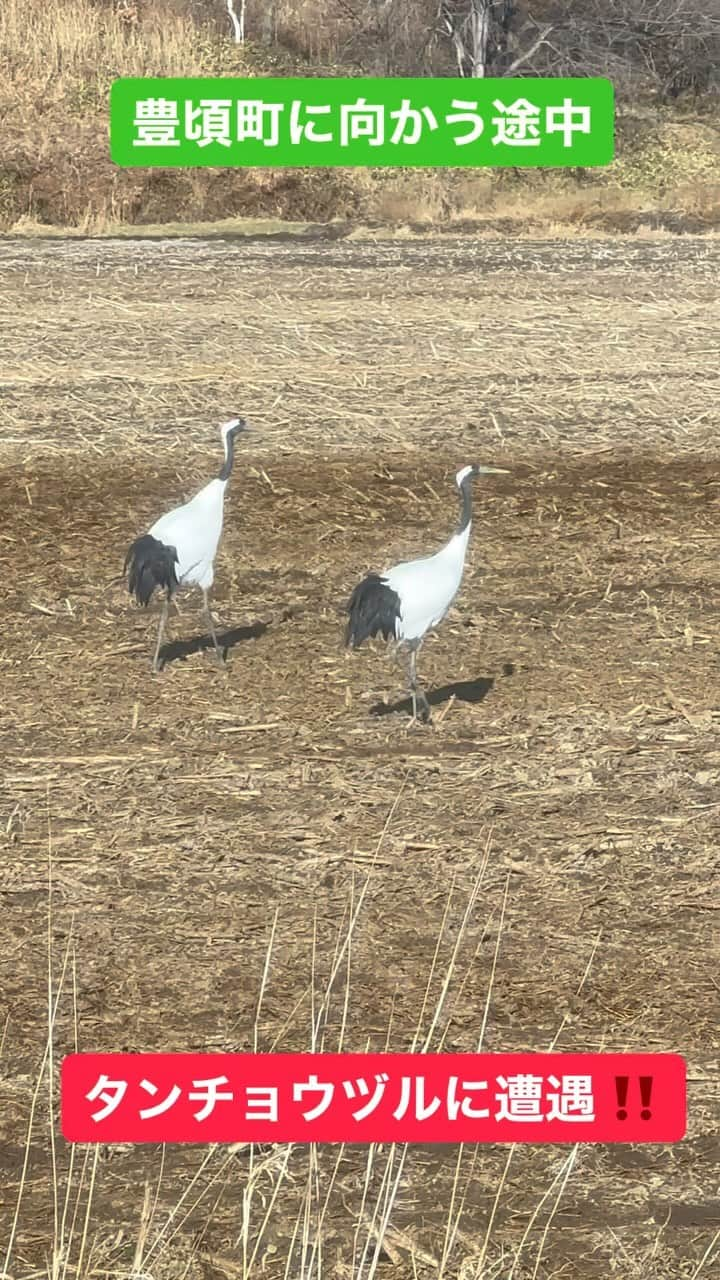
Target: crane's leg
{"x": 161, "y": 631}
{"x": 404, "y": 655}
{"x": 211, "y": 625}
{"x": 416, "y": 691}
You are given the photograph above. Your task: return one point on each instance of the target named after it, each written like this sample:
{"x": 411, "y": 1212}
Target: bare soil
{"x": 572, "y": 764}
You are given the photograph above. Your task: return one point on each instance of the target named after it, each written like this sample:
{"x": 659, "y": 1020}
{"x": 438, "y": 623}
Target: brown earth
{"x": 567, "y": 789}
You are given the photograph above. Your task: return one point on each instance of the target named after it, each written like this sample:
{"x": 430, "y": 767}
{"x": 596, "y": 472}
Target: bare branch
{"x": 525, "y": 57}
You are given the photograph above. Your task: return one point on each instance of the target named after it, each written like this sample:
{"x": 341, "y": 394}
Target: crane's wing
{"x": 426, "y": 589}
{"x": 193, "y": 529}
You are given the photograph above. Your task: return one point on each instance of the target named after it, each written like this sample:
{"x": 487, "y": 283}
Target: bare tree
{"x": 661, "y": 47}
{"x": 653, "y": 48}
{"x": 238, "y": 22}
{"x": 479, "y": 31}
{"x": 469, "y": 27}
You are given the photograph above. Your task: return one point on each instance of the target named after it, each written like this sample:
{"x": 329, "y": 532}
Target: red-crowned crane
{"x": 405, "y": 602}
{"x": 179, "y": 550}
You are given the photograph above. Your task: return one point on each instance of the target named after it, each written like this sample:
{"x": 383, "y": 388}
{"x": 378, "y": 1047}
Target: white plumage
{"x": 427, "y": 587}
{"x": 408, "y": 600}
{"x": 179, "y": 549}
{"x": 194, "y": 531}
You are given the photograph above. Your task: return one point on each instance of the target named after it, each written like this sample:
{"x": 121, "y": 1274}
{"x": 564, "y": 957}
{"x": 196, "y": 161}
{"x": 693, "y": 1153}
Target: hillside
{"x": 57, "y": 62}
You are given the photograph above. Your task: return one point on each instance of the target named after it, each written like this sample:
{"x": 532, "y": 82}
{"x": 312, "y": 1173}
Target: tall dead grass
{"x": 272, "y": 1190}
{"x": 50, "y": 47}
{"x": 286, "y": 1194}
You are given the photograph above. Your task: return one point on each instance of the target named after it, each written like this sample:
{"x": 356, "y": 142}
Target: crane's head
{"x": 232, "y": 428}
{"x": 468, "y": 473}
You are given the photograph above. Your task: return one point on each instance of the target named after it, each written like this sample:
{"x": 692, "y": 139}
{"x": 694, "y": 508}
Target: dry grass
{"x": 56, "y": 47}
{"x": 58, "y": 60}
{"x": 264, "y": 856}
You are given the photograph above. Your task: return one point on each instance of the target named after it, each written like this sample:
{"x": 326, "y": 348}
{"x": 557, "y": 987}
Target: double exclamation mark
{"x": 622, "y": 1084}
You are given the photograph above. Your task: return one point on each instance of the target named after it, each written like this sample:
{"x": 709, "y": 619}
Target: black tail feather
{"x": 149, "y": 563}
{"x": 374, "y": 608}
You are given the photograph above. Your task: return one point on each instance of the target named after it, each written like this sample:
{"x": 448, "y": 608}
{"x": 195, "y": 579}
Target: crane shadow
{"x": 179, "y": 650}
{"x": 472, "y": 691}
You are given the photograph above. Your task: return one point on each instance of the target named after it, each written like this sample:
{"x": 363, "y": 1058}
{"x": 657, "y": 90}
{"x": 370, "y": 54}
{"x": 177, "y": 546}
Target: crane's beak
{"x": 492, "y": 471}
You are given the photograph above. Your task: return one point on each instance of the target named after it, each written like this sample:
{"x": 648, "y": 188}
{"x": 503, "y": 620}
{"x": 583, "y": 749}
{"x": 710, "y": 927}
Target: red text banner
{"x": 358, "y": 1098}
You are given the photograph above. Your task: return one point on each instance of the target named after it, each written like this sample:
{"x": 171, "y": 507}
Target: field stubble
{"x": 540, "y": 867}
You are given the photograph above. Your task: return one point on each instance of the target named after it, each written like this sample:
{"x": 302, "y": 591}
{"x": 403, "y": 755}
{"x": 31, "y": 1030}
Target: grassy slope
{"x": 57, "y": 61}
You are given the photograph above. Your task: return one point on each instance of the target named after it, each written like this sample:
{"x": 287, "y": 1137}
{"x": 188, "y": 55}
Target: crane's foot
{"x": 421, "y": 713}
{"x": 420, "y": 722}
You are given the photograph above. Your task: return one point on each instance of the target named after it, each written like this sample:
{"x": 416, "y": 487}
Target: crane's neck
{"x": 466, "y": 513}
{"x": 227, "y": 465}
{"x": 454, "y": 550}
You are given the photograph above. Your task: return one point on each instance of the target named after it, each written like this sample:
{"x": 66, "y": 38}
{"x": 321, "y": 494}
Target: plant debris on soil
{"x": 538, "y": 867}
